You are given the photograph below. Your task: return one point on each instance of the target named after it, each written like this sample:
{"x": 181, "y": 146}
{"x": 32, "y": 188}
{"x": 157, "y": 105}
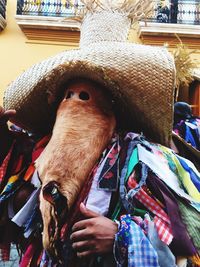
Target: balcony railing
{"x": 50, "y": 8}
{"x": 3, "y": 8}
{"x": 169, "y": 19}
{"x": 173, "y": 11}
{"x": 2, "y": 14}
{"x": 50, "y": 20}
{"x": 176, "y": 11}
{"x": 46, "y": 19}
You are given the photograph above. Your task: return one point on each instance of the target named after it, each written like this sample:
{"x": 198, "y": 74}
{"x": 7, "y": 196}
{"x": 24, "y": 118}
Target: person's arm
{"x": 6, "y": 137}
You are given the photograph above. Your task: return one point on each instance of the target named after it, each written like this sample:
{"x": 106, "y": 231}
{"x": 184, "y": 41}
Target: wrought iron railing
{"x": 176, "y": 11}
{"x": 3, "y": 8}
{"x": 165, "y": 11}
{"x": 58, "y": 8}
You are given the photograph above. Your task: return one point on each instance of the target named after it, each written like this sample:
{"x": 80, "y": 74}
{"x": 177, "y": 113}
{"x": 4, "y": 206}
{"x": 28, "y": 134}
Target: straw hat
{"x": 140, "y": 78}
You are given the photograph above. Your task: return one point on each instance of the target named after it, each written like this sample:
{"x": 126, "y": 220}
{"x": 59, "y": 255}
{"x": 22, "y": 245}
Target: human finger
{"x": 81, "y": 246}
{"x": 84, "y": 253}
{"x": 79, "y": 235}
{"x": 87, "y": 212}
{"x": 81, "y": 224}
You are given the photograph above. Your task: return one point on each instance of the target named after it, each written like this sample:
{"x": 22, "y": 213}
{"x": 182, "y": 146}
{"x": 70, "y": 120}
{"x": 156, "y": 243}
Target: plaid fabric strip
{"x": 164, "y": 231}
{"x": 133, "y": 244}
{"x": 140, "y": 252}
{"x": 182, "y": 242}
{"x": 162, "y": 221}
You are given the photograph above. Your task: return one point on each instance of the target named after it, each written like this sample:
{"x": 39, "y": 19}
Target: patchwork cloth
{"x": 132, "y": 247}
{"x": 193, "y": 175}
{"x": 163, "y": 169}
{"x": 132, "y": 243}
{"x": 161, "y": 219}
{"x": 182, "y": 174}
{"x": 165, "y": 256}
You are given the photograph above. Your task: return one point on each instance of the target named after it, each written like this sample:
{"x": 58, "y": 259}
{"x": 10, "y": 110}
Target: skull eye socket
{"x": 69, "y": 94}
{"x": 84, "y": 96}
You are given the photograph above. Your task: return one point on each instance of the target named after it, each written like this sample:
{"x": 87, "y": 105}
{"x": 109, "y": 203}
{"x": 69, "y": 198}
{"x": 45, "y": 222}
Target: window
{"x": 2, "y": 14}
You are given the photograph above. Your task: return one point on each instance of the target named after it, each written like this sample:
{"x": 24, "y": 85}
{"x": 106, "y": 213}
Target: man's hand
{"x": 5, "y": 115}
{"x": 94, "y": 235}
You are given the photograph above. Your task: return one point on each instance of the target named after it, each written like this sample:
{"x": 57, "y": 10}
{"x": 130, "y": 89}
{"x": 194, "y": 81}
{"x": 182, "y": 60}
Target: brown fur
{"x": 81, "y": 132}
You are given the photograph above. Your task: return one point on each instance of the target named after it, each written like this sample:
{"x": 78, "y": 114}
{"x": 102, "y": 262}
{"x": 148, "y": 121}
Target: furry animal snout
{"x": 55, "y": 204}
{"x": 84, "y": 126}
{"x": 52, "y": 194}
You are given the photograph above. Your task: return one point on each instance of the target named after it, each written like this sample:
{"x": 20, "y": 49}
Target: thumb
{"x": 88, "y": 213}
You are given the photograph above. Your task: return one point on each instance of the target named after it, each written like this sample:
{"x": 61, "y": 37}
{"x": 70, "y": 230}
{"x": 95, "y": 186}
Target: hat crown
{"x": 105, "y": 25}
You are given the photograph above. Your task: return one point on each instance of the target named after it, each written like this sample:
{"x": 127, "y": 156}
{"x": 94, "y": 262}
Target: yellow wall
{"x": 16, "y": 54}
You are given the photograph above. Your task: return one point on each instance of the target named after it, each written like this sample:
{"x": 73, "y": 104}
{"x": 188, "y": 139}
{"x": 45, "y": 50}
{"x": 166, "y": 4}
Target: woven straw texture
{"x": 104, "y": 26}
{"x": 141, "y": 79}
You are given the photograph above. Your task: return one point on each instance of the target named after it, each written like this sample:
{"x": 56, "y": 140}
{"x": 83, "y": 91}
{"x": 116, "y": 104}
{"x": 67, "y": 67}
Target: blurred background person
{"x": 186, "y": 125}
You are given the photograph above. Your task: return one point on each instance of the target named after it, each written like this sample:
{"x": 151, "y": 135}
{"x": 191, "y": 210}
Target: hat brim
{"x": 141, "y": 79}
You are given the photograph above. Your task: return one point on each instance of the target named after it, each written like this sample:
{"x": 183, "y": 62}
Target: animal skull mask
{"x": 84, "y": 125}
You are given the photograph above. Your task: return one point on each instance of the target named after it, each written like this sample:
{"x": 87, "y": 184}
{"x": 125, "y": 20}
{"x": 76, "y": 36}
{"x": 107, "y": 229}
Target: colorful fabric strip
{"x": 12, "y": 185}
{"x": 133, "y": 246}
{"x": 159, "y": 165}
{"x": 193, "y": 175}
{"x": 165, "y": 256}
{"x": 109, "y": 176}
{"x": 182, "y": 244}
{"x": 4, "y": 165}
{"x": 183, "y": 175}
{"x": 161, "y": 219}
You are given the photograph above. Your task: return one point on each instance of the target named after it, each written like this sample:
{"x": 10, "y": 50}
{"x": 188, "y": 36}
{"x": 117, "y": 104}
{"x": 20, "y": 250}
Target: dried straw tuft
{"x": 184, "y": 66}
{"x": 135, "y": 9}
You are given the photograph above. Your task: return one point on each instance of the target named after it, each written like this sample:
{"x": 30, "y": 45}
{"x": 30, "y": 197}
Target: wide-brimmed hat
{"x": 139, "y": 77}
